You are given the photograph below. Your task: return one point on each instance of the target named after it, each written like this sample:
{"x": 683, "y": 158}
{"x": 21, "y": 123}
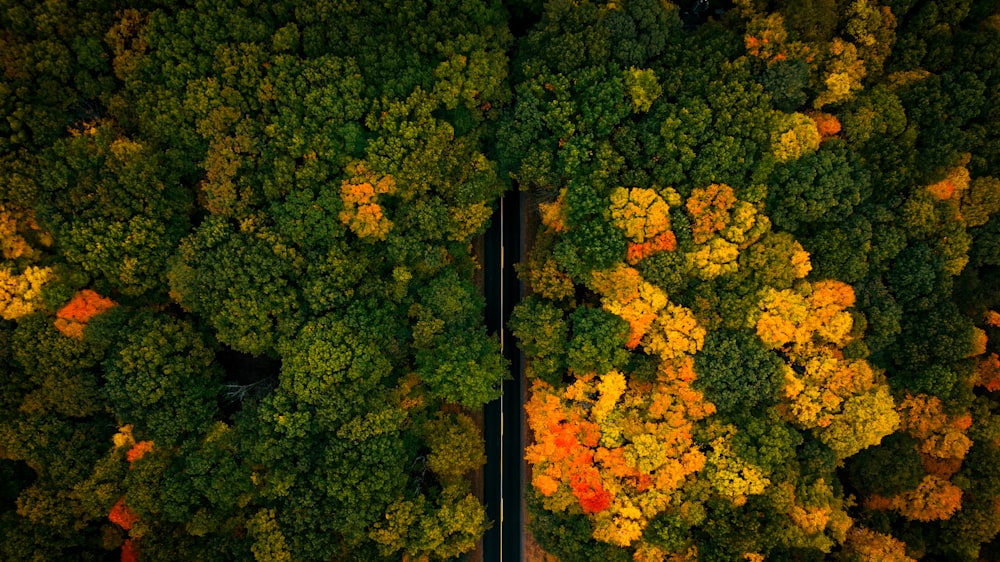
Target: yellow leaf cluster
{"x": 124, "y": 438}
{"x": 843, "y": 401}
{"x": 734, "y": 478}
{"x": 14, "y": 224}
{"x": 814, "y": 398}
{"x": 674, "y": 333}
{"x": 721, "y": 226}
{"x": 622, "y": 525}
{"x": 625, "y": 293}
{"x": 793, "y": 135}
{"x": 844, "y": 72}
{"x": 714, "y": 258}
{"x": 810, "y": 313}
{"x": 553, "y": 215}
{"x": 610, "y": 389}
{"x": 641, "y": 213}
{"x": 21, "y": 294}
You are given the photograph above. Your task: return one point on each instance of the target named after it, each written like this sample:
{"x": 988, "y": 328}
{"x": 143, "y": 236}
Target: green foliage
{"x": 568, "y": 535}
{"x": 463, "y": 367}
{"x": 542, "y": 335}
{"x": 737, "y": 373}
{"x": 786, "y": 81}
{"x": 162, "y": 378}
{"x": 456, "y": 447}
{"x": 597, "y": 340}
{"x": 305, "y": 182}
{"x": 820, "y": 187}
{"x": 441, "y": 529}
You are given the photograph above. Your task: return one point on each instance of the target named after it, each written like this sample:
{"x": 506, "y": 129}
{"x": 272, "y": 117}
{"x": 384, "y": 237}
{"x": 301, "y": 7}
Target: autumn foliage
{"x": 826, "y": 124}
{"x": 553, "y": 214}
{"x": 933, "y": 500}
{"x": 844, "y": 401}
{"x": 130, "y": 551}
{"x": 73, "y": 317}
{"x": 988, "y": 372}
{"x": 865, "y": 545}
{"x": 138, "y": 451}
{"x": 620, "y": 449}
{"x": 362, "y": 212}
{"x": 122, "y": 516}
{"x": 628, "y": 295}
{"x": 709, "y": 209}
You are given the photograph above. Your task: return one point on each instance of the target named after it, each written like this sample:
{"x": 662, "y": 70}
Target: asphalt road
{"x": 502, "y": 429}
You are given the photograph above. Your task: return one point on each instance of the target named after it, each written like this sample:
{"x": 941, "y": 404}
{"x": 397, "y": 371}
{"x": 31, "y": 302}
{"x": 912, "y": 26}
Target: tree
{"x": 542, "y": 335}
{"x": 241, "y": 279}
{"x": 162, "y": 379}
{"x": 737, "y": 373}
{"x": 864, "y": 544}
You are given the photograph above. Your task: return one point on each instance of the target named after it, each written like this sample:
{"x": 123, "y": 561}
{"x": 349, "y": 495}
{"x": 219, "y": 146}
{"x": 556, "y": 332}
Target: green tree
{"x": 162, "y": 378}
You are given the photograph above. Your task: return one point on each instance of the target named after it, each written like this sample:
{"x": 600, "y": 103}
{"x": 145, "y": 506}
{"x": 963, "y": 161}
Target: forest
{"x": 241, "y": 279}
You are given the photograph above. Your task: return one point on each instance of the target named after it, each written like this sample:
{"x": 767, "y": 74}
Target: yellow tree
{"x": 644, "y": 216}
{"x": 721, "y": 226}
{"x": 625, "y": 293}
{"x": 362, "y": 212}
{"x": 21, "y": 293}
{"x": 793, "y": 135}
{"x": 843, "y": 401}
{"x": 18, "y": 230}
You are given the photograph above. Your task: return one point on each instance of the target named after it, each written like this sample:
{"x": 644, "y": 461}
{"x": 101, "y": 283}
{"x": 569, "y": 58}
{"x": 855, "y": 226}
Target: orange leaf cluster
{"x": 563, "y": 450}
{"x": 992, "y": 318}
{"x": 122, "y": 516}
{"x": 935, "y": 499}
{"x": 827, "y": 125}
{"x": 130, "y": 552}
{"x": 73, "y": 317}
{"x": 362, "y": 213}
{"x": 638, "y": 251}
{"x": 629, "y": 296}
{"x": 988, "y": 372}
{"x": 766, "y": 37}
{"x": 613, "y": 445}
{"x": 709, "y": 209}
{"x": 954, "y": 184}
{"x": 138, "y": 451}
{"x": 942, "y": 190}
{"x": 942, "y": 437}
{"x": 864, "y": 544}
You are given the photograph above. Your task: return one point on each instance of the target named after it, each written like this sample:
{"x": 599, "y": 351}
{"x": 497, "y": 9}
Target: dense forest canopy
{"x": 761, "y": 321}
{"x": 239, "y": 312}
{"x": 239, "y": 300}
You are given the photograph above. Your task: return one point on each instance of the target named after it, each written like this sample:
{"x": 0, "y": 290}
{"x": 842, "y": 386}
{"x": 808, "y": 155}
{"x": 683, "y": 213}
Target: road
{"x": 502, "y": 430}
